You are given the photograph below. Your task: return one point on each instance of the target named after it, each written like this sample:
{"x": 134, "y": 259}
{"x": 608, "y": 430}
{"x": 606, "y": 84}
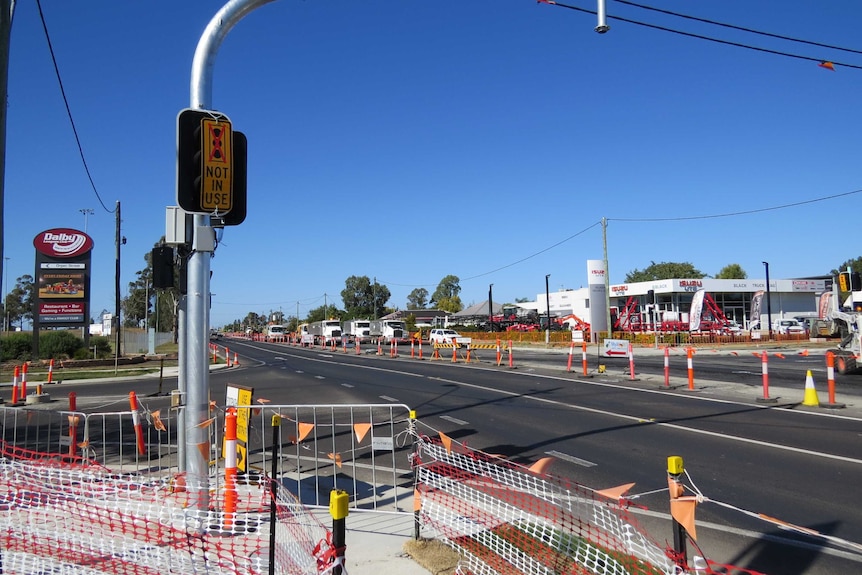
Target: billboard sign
{"x": 62, "y": 278}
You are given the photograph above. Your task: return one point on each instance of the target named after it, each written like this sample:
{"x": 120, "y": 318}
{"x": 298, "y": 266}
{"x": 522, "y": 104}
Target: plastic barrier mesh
{"x": 505, "y": 519}
{"x": 61, "y": 514}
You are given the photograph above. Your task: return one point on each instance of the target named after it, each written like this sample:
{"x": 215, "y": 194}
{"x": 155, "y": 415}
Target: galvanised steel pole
{"x": 198, "y": 296}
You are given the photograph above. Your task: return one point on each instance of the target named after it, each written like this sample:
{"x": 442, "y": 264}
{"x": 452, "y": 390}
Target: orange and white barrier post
{"x": 764, "y": 369}
{"x": 584, "y": 356}
{"x": 230, "y": 462}
{"x": 356, "y": 345}
{"x": 24, "y": 381}
{"x": 136, "y": 420}
{"x": 227, "y": 357}
{"x": 235, "y": 359}
{"x": 394, "y": 348}
{"x": 667, "y": 367}
{"x": 689, "y": 354}
{"x": 631, "y": 362}
{"x": 468, "y": 353}
{"x": 51, "y": 371}
{"x": 15, "y": 389}
{"x": 499, "y": 354}
{"x": 412, "y": 349}
{"x": 420, "y": 349}
{"x": 73, "y": 424}
{"x": 454, "y": 351}
{"x": 511, "y": 359}
{"x": 830, "y": 379}
{"x": 343, "y": 344}
{"x": 571, "y": 353}
{"x": 215, "y": 353}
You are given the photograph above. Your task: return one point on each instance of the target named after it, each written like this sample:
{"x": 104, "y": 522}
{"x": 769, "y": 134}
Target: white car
{"x": 788, "y": 326}
{"x": 444, "y": 336}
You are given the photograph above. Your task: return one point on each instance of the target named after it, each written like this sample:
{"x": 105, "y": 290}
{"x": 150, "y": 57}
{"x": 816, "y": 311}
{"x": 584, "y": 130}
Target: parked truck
{"x": 388, "y": 330}
{"x": 325, "y": 332}
{"x": 840, "y": 315}
{"x": 357, "y": 330}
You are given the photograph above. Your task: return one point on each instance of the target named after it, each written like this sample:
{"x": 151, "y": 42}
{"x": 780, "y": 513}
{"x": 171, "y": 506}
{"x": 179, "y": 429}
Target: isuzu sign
{"x": 63, "y": 243}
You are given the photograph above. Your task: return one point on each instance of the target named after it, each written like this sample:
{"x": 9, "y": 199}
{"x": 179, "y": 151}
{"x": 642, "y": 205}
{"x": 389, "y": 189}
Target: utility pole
{"x": 118, "y": 240}
{"x": 7, "y": 8}
{"x": 548, "y": 303}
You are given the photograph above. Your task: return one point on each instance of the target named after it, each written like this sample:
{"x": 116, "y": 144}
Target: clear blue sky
{"x": 410, "y": 140}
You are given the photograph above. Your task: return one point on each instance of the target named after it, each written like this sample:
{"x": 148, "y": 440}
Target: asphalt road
{"x": 800, "y": 465}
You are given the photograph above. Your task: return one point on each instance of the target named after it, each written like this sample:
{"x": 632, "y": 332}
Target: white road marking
{"x": 387, "y": 398}
{"x": 319, "y": 377}
{"x": 570, "y": 458}
{"x": 346, "y": 385}
{"x": 454, "y": 420}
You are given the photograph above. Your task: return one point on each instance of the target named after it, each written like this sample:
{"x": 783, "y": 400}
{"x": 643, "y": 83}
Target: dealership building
{"x": 673, "y": 298}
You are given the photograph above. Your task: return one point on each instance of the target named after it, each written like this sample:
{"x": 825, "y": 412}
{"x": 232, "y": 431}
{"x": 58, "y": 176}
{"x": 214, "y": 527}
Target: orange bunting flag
{"x": 615, "y": 492}
{"x": 780, "y": 355}
{"x": 827, "y": 65}
{"x": 304, "y": 430}
{"x": 447, "y": 442}
{"x": 292, "y": 439}
{"x": 682, "y": 510}
{"x": 336, "y": 457}
{"x": 755, "y": 354}
{"x": 360, "y": 430}
{"x": 734, "y": 353}
{"x": 204, "y": 448}
{"x": 542, "y": 465}
{"x": 74, "y": 420}
{"x": 206, "y": 423}
{"x": 804, "y": 353}
{"x": 157, "y": 420}
{"x": 84, "y": 444}
{"x": 263, "y": 400}
{"x": 417, "y": 501}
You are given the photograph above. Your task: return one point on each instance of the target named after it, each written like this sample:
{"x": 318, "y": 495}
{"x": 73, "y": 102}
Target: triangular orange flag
{"x": 615, "y": 492}
{"x": 206, "y": 423}
{"x": 542, "y": 465}
{"x": 755, "y": 354}
{"x": 682, "y": 510}
{"x": 417, "y": 501}
{"x": 780, "y": 355}
{"x": 804, "y": 353}
{"x": 263, "y": 400}
{"x": 157, "y": 420}
{"x": 304, "y": 429}
{"x": 827, "y": 65}
{"x": 204, "y": 448}
{"x": 447, "y": 441}
{"x": 360, "y": 429}
{"x": 734, "y": 353}
{"x": 336, "y": 457}
{"x": 74, "y": 420}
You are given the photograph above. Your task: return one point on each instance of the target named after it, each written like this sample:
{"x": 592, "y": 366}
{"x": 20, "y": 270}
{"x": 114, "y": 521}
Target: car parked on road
{"x": 444, "y": 336}
{"x": 788, "y": 326}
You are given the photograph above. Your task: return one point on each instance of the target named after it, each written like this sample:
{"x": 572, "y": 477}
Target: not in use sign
{"x": 217, "y": 165}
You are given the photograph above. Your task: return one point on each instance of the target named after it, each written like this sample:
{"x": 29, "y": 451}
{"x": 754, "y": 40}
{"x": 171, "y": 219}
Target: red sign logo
{"x": 63, "y": 243}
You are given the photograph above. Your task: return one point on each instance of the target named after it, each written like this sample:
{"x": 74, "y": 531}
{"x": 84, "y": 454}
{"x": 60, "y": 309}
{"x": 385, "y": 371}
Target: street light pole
{"x": 6, "y": 294}
{"x": 768, "y": 302}
{"x": 548, "y": 303}
{"x": 86, "y": 212}
{"x": 491, "y": 307}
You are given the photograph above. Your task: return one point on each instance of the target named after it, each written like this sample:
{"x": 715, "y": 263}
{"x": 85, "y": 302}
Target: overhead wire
{"x": 69, "y": 109}
{"x": 707, "y": 38}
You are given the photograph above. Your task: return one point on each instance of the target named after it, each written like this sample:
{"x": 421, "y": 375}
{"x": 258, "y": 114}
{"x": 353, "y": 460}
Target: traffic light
{"x": 205, "y": 170}
{"x": 849, "y": 281}
{"x": 162, "y": 260}
{"x": 237, "y": 213}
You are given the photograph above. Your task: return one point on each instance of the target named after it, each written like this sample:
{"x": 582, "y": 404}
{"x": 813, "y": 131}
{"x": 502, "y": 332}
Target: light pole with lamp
{"x": 548, "y": 303}
{"x": 768, "y": 301}
{"x": 86, "y": 212}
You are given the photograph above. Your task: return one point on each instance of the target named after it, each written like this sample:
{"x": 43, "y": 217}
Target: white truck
{"x": 389, "y": 330}
{"x": 357, "y": 330}
{"x": 325, "y": 332}
{"x": 837, "y": 318}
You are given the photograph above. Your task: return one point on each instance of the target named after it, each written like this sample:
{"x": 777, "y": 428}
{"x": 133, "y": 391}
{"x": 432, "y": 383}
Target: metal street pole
{"x": 203, "y": 245}
{"x": 548, "y": 303}
{"x": 768, "y": 302}
{"x": 491, "y": 307}
{"x": 87, "y": 212}
{"x": 7, "y": 9}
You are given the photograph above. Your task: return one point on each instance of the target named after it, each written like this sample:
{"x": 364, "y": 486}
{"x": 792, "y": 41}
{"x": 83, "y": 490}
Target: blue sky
{"x": 408, "y": 141}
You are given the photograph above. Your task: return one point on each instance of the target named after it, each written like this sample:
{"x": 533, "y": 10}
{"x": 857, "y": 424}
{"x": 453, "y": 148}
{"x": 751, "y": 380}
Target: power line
{"x": 68, "y": 109}
{"x": 707, "y": 38}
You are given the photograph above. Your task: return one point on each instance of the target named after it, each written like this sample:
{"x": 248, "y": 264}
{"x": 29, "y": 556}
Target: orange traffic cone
{"x": 810, "y": 398}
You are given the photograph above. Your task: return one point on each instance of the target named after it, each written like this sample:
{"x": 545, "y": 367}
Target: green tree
{"x": 321, "y": 313}
{"x": 522, "y": 299}
{"x": 731, "y": 272}
{"x": 854, "y": 264}
{"x": 155, "y": 308}
{"x": 362, "y": 297}
{"x": 664, "y": 271}
{"x": 446, "y": 296}
{"x": 417, "y": 299}
{"x": 19, "y": 301}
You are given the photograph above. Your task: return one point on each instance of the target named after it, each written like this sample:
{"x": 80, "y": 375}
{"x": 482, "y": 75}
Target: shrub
{"x": 59, "y": 344}
{"x": 16, "y": 346}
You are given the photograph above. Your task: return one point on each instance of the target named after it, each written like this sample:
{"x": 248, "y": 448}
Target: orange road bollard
{"x": 51, "y": 371}
{"x": 584, "y": 356}
{"x": 230, "y": 461}
{"x": 631, "y": 362}
{"x": 215, "y": 353}
{"x": 358, "y": 348}
{"x": 24, "y": 381}
{"x": 511, "y": 359}
{"x": 412, "y": 349}
{"x": 468, "y": 353}
{"x": 379, "y": 347}
{"x": 667, "y": 367}
{"x": 420, "y": 349}
{"x": 73, "y": 424}
{"x": 395, "y": 348}
{"x": 689, "y": 360}
{"x": 136, "y": 420}
{"x": 764, "y": 368}
{"x": 830, "y": 379}
{"x": 227, "y": 357}
{"x": 15, "y": 389}
{"x": 571, "y": 353}
{"x": 499, "y": 355}
{"x": 454, "y": 351}
{"x": 235, "y": 359}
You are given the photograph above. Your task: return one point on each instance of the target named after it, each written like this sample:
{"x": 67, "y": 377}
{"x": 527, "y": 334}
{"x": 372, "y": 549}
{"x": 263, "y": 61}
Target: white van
{"x": 276, "y": 333}
{"x": 788, "y": 326}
